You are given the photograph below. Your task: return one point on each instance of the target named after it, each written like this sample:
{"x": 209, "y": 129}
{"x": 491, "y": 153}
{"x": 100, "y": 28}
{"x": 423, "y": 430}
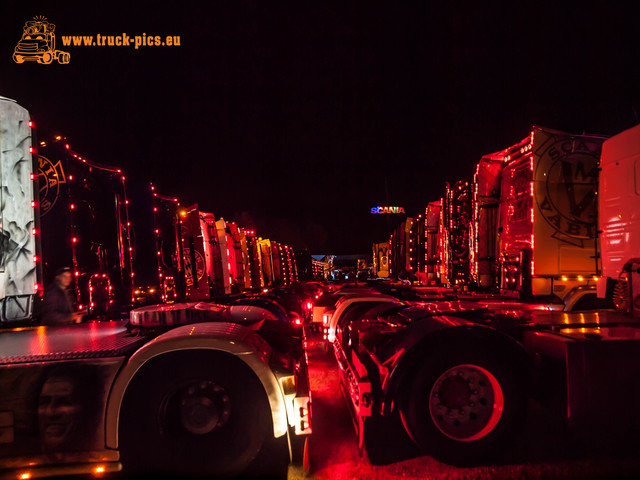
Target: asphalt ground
{"x": 545, "y": 448}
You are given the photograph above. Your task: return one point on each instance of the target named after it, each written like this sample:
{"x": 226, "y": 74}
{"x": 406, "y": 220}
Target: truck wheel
{"x": 201, "y": 413}
{"x": 462, "y": 406}
{"x": 18, "y": 58}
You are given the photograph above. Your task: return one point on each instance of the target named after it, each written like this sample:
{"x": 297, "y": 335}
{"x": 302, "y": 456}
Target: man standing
{"x": 57, "y": 307}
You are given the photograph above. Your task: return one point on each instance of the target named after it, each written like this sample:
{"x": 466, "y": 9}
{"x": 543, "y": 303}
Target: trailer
{"x": 20, "y": 256}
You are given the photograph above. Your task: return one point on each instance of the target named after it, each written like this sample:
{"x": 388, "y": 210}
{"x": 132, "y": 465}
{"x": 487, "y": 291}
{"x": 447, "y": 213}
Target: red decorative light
{"x": 35, "y": 258}
{"x": 74, "y": 239}
{"x": 31, "y": 124}
{"x": 67, "y": 146}
{"x": 33, "y": 204}
{"x": 72, "y": 206}
{"x": 70, "y": 177}
{"x": 34, "y": 231}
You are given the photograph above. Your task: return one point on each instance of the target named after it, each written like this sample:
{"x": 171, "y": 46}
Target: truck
{"x": 159, "y": 275}
{"x": 456, "y": 376}
{"x": 524, "y": 227}
{"x": 381, "y": 259}
{"x": 399, "y": 259}
{"x": 534, "y": 217}
{"x": 185, "y": 388}
{"x": 456, "y": 218}
{"x": 84, "y": 211}
{"x": 432, "y": 242}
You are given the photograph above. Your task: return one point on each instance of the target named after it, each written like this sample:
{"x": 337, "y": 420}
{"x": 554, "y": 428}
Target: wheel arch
{"x": 432, "y": 340}
{"x": 233, "y": 339}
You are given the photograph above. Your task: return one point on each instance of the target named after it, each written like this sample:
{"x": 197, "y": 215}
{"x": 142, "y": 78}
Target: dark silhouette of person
{"x": 57, "y": 306}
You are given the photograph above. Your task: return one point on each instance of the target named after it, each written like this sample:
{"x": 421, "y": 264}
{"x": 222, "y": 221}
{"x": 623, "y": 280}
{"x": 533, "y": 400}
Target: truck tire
{"x": 197, "y": 413}
{"x": 462, "y": 405}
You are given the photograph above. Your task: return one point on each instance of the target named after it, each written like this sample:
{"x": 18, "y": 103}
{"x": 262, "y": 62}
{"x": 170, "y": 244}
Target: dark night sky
{"x": 296, "y": 114}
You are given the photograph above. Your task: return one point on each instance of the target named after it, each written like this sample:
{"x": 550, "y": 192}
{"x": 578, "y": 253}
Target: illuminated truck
{"x": 399, "y": 258}
{"x": 158, "y": 271}
{"x": 381, "y": 259}
{"x": 188, "y": 388}
{"x": 205, "y": 260}
{"x": 534, "y": 216}
{"x": 432, "y": 242}
{"x": 85, "y": 224}
{"x": 618, "y": 225}
{"x": 457, "y": 376}
{"x": 255, "y": 259}
{"x": 456, "y": 209}
{"x": 235, "y": 260}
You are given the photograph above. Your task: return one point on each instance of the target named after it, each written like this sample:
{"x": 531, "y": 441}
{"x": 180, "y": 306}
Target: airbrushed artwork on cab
{"x": 17, "y": 248}
{"x": 53, "y": 410}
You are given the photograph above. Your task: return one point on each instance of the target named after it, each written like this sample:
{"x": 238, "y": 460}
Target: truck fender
{"x": 231, "y": 338}
{"x": 437, "y": 331}
{"x": 577, "y": 293}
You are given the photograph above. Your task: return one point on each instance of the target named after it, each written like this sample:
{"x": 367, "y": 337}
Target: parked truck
{"x": 158, "y": 262}
{"x": 85, "y": 217}
{"x": 535, "y": 216}
{"x": 189, "y": 388}
{"x": 457, "y": 375}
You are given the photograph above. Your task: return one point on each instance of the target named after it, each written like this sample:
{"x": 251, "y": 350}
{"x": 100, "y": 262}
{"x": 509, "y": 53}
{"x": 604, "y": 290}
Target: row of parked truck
{"x": 207, "y": 381}
{"x": 529, "y": 291}
{"x": 127, "y": 244}
{"x": 551, "y": 216}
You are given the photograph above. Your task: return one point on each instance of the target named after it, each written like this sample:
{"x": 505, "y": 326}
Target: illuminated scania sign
{"x": 387, "y": 210}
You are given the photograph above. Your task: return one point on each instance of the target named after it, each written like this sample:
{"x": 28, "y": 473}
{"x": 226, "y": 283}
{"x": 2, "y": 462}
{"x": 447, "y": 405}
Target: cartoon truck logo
{"x": 38, "y": 43}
